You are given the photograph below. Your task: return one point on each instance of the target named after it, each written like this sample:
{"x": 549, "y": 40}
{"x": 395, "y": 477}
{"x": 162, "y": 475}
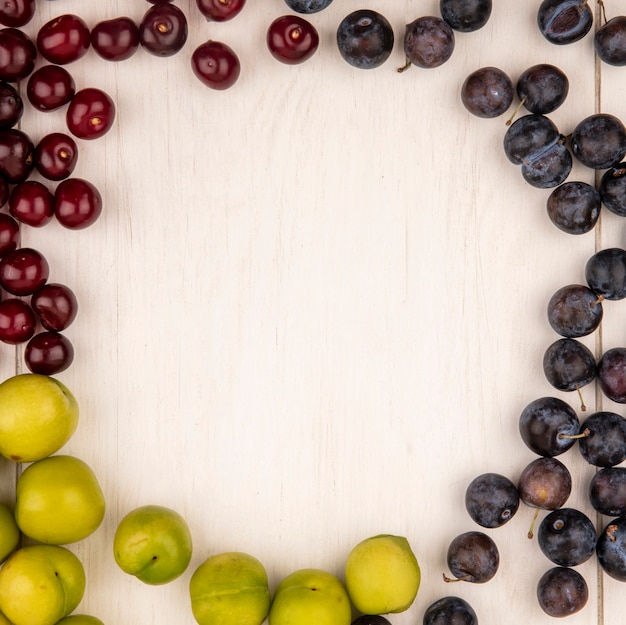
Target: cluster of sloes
{"x": 549, "y": 426}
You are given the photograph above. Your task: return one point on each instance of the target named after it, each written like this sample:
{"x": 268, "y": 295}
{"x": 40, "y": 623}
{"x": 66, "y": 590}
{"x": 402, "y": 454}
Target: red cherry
{"x": 23, "y": 271}
{"x": 16, "y": 13}
{"x": 50, "y": 87}
{"x": 56, "y": 305}
{"x": 56, "y": 155}
{"x": 91, "y": 113}
{"x": 77, "y": 203}
{"x": 292, "y": 39}
{"x": 18, "y": 55}
{"x": 9, "y": 234}
{"x": 216, "y": 65}
{"x": 48, "y": 353}
{"x": 17, "y": 321}
{"x": 116, "y": 39}
{"x": 220, "y": 10}
{"x": 32, "y": 203}
{"x": 63, "y": 39}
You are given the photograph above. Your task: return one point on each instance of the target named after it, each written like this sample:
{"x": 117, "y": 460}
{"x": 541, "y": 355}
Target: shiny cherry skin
{"x": 116, "y": 39}
{"x": 216, "y": 65}
{"x": 292, "y": 39}
{"x": 18, "y": 55}
{"x": 17, "y": 321}
{"x": 48, "y": 353}
{"x": 220, "y": 10}
{"x": 91, "y": 113}
{"x": 5, "y": 191}
{"x": 64, "y": 39}
{"x": 16, "y": 155}
{"x": 9, "y": 234}
{"x": 32, "y": 203}
{"x": 11, "y": 106}
{"x": 23, "y": 271}
{"x": 50, "y": 87}
{"x": 16, "y": 13}
{"x": 77, "y": 203}
{"x": 56, "y": 155}
{"x": 163, "y": 30}
{"x": 56, "y": 306}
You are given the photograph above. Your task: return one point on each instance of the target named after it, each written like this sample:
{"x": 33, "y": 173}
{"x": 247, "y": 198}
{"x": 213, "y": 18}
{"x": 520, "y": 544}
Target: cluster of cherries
{"x": 36, "y": 181}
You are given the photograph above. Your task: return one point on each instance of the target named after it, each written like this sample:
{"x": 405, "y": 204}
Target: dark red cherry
{"x": 18, "y": 55}
{"x": 56, "y": 306}
{"x": 32, "y": 203}
{"x": 11, "y": 106}
{"x": 16, "y": 155}
{"x": 216, "y": 65}
{"x": 77, "y": 203}
{"x": 163, "y": 30}
{"x": 292, "y": 39}
{"x": 63, "y": 39}
{"x": 220, "y": 10}
{"x": 17, "y": 321}
{"x": 9, "y": 234}
{"x": 23, "y": 271}
{"x": 56, "y": 155}
{"x": 116, "y": 39}
{"x": 16, "y": 13}
{"x": 50, "y": 87}
{"x": 48, "y": 353}
{"x": 91, "y": 113}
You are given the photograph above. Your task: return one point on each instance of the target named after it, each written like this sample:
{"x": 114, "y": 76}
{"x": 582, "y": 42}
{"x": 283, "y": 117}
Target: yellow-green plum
{"x": 4, "y": 620}
{"x": 38, "y": 415}
{"x": 40, "y": 584}
{"x": 153, "y": 543}
{"x": 382, "y": 575}
{"x": 9, "y": 532}
{"x": 310, "y": 597}
{"x": 230, "y": 589}
{"x": 58, "y": 500}
{"x": 80, "y": 619}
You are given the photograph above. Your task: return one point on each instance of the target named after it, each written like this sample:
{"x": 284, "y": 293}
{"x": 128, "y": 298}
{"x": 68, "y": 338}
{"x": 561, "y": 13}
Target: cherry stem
{"x": 531, "y": 530}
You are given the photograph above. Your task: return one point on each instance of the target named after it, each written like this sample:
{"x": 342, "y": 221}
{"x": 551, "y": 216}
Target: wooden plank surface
{"x": 314, "y": 306}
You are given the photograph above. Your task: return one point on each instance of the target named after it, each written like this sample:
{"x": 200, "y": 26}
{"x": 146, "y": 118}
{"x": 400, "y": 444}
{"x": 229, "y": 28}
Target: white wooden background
{"x": 314, "y": 306}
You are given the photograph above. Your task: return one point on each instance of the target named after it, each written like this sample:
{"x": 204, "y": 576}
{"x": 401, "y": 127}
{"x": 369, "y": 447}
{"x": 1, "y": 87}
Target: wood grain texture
{"x": 314, "y": 306}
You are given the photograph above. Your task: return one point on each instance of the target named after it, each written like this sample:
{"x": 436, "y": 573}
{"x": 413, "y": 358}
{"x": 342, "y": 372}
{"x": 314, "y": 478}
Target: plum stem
{"x": 583, "y": 434}
{"x": 516, "y": 111}
{"x": 450, "y": 580}
{"x": 531, "y": 530}
{"x": 405, "y": 66}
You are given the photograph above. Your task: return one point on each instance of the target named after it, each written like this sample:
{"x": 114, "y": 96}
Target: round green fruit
{"x": 9, "y": 532}
{"x": 153, "y": 543}
{"x": 40, "y": 584}
{"x": 382, "y": 575}
{"x": 230, "y": 589}
{"x": 38, "y": 415}
{"x": 58, "y": 501}
{"x": 310, "y": 597}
